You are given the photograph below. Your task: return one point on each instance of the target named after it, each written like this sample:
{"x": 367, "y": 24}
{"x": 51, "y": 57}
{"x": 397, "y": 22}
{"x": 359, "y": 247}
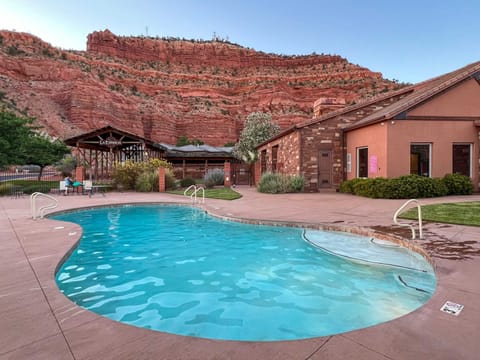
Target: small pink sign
{"x": 373, "y": 164}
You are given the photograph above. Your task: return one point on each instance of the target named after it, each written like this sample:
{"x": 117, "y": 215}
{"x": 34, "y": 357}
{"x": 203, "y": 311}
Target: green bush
{"x": 28, "y": 186}
{"x": 6, "y": 188}
{"x": 403, "y": 187}
{"x": 458, "y": 184}
{"x": 213, "y": 177}
{"x": 347, "y": 186}
{"x": 187, "y": 181}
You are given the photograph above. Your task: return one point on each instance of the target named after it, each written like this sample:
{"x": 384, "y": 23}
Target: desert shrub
{"x": 187, "y": 181}
{"x": 170, "y": 181}
{"x": 297, "y": 183}
{"x": 458, "y": 184}
{"x": 125, "y": 175}
{"x": 147, "y": 181}
{"x": 274, "y": 183}
{"x": 154, "y": 164}
{"x": 213, "y": 177}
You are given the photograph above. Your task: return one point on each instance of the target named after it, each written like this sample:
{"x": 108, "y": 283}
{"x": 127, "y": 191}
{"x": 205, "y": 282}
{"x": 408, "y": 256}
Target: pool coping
{"x": 39, "y": 322}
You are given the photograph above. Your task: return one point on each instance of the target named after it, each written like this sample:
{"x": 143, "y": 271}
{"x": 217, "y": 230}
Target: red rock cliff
{"x": 166, "y": 88}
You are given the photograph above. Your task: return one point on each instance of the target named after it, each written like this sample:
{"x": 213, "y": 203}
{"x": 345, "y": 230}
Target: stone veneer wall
{"x": 477, "y": 186}
{"x": 328, "y": 135}
{"x": 288, "y": 156}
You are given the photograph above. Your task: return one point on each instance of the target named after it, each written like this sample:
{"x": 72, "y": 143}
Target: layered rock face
{"x": 163, "y": 89}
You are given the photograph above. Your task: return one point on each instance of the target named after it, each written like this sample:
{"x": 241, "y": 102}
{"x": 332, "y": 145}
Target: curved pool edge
{"x": 92, "y": 336}
{"x": 304, "y": 225}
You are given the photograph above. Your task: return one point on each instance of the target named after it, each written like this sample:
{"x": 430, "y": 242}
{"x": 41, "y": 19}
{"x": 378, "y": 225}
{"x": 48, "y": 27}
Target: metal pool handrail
{"x": 43, "y": 208}
{"x": 193, "y": 195}
{"x": 420, "y": 229}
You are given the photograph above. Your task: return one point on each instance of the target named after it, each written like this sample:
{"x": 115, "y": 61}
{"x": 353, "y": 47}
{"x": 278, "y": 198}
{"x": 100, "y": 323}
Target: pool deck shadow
{"x": 38, "y": 322}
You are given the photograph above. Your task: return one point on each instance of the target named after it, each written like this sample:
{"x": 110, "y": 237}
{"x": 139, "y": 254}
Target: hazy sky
{"x": 407, "y": 40}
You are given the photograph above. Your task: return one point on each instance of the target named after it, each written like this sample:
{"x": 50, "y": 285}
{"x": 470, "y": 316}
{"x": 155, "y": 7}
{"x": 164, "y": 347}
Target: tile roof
{"x": 418, "y": 93}
{"x": 421, "y": 92}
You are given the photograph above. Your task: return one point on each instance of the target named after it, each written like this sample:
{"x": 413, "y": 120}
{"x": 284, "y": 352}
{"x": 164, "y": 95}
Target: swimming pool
{"x": 179, "y": 270}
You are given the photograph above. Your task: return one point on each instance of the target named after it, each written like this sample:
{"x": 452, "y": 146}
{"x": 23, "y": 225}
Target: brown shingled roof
{"x": 421, "y": 92}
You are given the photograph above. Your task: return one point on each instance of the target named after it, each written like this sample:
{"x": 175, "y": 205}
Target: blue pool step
{"x": 367, "y": 249}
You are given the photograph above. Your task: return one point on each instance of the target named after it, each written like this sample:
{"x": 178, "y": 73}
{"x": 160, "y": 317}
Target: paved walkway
{"x": 38, "y": 322}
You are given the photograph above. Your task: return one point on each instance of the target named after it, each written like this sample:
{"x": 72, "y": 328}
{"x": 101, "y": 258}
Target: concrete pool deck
{"x": 38, "y": 322}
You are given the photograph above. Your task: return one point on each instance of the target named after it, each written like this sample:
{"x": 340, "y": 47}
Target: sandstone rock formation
{"x": 166, "y": 88}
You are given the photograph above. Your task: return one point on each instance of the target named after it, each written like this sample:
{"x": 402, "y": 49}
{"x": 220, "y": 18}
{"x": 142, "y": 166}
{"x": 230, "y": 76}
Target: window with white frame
{"x": 420, "y": 159}
{"x": 362, "y": 162}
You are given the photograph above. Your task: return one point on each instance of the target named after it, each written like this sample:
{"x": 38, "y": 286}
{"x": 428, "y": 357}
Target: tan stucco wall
{"x": 460, "y": 101}
{"x": 391, "y": 143}
{"x": 374, "y": 137}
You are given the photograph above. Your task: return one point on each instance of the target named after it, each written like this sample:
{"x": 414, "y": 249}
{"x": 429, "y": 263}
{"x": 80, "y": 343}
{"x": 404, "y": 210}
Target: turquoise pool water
{"x": 177, "y": 269}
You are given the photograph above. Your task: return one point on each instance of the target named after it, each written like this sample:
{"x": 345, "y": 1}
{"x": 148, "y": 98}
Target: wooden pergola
{"x": 100, "y": 149}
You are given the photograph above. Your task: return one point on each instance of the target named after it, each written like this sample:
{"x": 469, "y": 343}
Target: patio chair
{"x": 62, "y": 187}
{"x": 87, "y": 187}
{"x": 16, "y": 191}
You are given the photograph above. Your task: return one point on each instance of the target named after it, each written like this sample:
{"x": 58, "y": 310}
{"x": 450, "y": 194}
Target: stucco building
{"x": 431, "y": 128}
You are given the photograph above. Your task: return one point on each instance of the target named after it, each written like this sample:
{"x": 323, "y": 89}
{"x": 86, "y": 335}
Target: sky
{"x": 406, "y": 40}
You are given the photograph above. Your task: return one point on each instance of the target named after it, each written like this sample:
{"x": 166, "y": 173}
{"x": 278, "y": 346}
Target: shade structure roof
{"x": 107, "y": 138}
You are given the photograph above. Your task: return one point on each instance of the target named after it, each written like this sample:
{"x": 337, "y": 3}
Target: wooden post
{"x": 257, "y": 172}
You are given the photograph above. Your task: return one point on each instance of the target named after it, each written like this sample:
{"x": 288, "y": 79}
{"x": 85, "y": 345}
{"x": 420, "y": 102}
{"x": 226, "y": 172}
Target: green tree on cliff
{"x": 258, "y": 128}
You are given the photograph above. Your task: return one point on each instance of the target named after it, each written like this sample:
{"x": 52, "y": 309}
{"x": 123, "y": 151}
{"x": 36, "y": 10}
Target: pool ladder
{"x": 420, "y": 229}
{"x": 42, "y": 209}
{"x": 193, "y": 195}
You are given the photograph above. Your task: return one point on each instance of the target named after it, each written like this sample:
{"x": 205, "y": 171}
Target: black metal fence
{"x": 20, "y": 180}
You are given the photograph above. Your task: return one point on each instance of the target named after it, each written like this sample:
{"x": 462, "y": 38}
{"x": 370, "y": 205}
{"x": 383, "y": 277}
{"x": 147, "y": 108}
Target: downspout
{"x": 344, "y": 156}
{"x": 300, "y": 152}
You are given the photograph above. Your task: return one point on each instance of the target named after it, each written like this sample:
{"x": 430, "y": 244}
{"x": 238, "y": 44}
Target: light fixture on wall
{"x": 392, "y": 122}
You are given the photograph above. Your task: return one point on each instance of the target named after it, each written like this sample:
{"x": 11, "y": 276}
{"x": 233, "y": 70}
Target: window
{"x": 362, "y": 162}
{"x": 420, "y": 155}
{"x": 263, "y": 161}
{"x": 462, "y": 159}
{"x": 274, "y": 158}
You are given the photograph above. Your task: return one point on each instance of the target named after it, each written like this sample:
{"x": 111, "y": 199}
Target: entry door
{"x": 325, "y": 169}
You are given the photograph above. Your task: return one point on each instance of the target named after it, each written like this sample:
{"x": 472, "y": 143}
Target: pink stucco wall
{"x": 391, "y": 142}
{"x": 447, "y": 118}
{"x": 375, "y": 138}
{"x": 461, "y": 101}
